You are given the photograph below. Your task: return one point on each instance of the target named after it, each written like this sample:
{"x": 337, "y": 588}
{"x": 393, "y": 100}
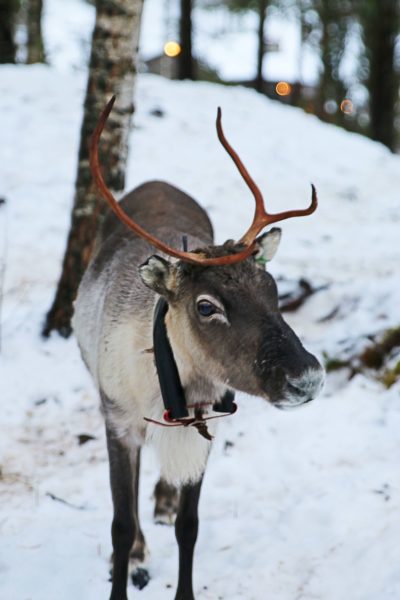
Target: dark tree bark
{"x": 112, "y": 70}
{"x": 186, "y": 68}
{"x": 262, "y": 6}
{"x": 296, "y": 96}
{"x": 8, "y": 9}
{"x": 333, "y": 16}
{"x": 35, "y": 47}
{"x": 381, "y": 26}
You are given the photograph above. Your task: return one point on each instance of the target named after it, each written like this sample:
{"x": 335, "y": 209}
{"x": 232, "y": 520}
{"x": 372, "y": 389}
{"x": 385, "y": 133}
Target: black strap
{"x": 170, "y": 384}
{"x": 225, "y": 404}
{"x": 172, "y": 391}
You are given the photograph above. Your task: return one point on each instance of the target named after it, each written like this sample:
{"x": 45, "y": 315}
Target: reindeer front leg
{"x": 186, "y": 528}
{"x": 125, "y": 531}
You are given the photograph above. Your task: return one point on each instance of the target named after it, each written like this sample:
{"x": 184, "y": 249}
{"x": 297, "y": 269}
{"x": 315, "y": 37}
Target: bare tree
{"x": 186, "y": 67}
{"x": 261, "y": 8}
{"x": 381, "y": 25}
{"x": 334, "y": 20}
{"x": 112, "y": 70}
{"x": 35, "y": 47}
{"x": 8, "y": 9}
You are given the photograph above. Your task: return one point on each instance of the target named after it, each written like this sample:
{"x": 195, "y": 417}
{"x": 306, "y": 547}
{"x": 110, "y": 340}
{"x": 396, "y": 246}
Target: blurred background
{"x": 337, "y": 59}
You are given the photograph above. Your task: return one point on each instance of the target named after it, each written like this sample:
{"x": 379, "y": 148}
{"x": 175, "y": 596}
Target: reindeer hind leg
{"x": 166, "y": 502}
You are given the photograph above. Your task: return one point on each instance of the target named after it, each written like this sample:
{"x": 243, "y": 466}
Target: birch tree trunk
{"x": 112, "y": 70}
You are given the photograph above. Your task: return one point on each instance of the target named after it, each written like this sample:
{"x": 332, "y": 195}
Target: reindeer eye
{"x": 206, "y": 309}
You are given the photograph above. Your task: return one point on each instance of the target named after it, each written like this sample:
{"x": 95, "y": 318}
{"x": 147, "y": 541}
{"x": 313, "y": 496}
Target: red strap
{"x": 187, "y": 421}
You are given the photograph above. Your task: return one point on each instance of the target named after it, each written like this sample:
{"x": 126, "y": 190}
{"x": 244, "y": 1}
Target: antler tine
{"x": 240, "y": 166}
{"x": 261, "y": 217}
{"x": 116, "y": 207}
{"x": 106, "y": 193}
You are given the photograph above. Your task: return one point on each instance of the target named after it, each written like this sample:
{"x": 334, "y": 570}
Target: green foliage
{"x": 334, "y": 364}
{"x": 380, "y": 358}
{"x": 391, "y": 376}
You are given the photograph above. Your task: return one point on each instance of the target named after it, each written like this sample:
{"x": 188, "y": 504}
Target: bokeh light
{"x": 283, "y": 88}
{"x": 172, "y": 49}
{"x": 346, "y": 106}
{"x": 330, "y": 107}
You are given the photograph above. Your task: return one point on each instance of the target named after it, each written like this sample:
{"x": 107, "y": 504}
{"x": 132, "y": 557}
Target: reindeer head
{"x": 225, "y": 325}
{"x": 224, "y": 322}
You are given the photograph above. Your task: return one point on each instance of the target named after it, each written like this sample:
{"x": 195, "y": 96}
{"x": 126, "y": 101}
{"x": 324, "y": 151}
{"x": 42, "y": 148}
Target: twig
{"x": 291, "y": 302}
{"x": 331, "y": 315}
{"x": 57, "y": 499}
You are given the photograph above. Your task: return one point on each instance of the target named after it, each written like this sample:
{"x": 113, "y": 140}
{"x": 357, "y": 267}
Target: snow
{"x": 65, "y": 29}
{"x": 297, "y": 505}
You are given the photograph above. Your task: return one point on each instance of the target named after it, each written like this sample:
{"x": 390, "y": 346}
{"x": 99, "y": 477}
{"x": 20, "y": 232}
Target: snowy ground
{"x": 302, "y": 505}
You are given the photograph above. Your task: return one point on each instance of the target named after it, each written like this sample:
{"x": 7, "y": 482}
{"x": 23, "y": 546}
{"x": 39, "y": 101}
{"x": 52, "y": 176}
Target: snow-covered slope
{"x": 300, "y": 505}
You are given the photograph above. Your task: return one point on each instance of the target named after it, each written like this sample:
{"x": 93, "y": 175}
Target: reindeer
{"x": 167, "y": 341}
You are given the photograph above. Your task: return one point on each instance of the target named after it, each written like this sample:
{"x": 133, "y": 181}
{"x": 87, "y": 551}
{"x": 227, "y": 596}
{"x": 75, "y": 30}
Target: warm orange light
{"x": 346, "y": 106}
{"x": 172, "y": 49}
{"x": 283, "y": 88}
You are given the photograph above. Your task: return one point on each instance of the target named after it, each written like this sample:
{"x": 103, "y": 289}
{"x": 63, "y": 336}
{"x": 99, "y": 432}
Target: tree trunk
{"x": 186, "y": 63}
{"x": 334, "y": 19}
{"x": 112, "y": 70}
{"x": 381, "y": 29}
{"x": 35, "y": 47}
{"x": 323, "y": 86}
{"x": 262, "y": 13}
{"x": 8, "y": 9}
{"x": 297, "y": 88}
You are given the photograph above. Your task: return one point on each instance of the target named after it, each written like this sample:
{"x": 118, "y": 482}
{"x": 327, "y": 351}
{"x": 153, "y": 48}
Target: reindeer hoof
{"x": 140, "y": 578}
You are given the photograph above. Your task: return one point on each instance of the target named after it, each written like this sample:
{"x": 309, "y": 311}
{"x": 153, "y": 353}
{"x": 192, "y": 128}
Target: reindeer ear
{"x": 267, "y": 245}
{"x": 159, "y": 275}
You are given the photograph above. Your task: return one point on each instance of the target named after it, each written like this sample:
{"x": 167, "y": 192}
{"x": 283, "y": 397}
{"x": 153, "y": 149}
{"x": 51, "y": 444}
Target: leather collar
{"x": 171, "y": 387}
{"x": 170, "y": 384}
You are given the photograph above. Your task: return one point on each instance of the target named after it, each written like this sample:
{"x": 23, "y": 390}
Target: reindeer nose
{"x": 305, "y": 387}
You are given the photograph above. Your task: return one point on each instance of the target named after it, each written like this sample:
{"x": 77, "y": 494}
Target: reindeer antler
{"x": 192, "y": 257}
{"x": 261, "y": 217}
